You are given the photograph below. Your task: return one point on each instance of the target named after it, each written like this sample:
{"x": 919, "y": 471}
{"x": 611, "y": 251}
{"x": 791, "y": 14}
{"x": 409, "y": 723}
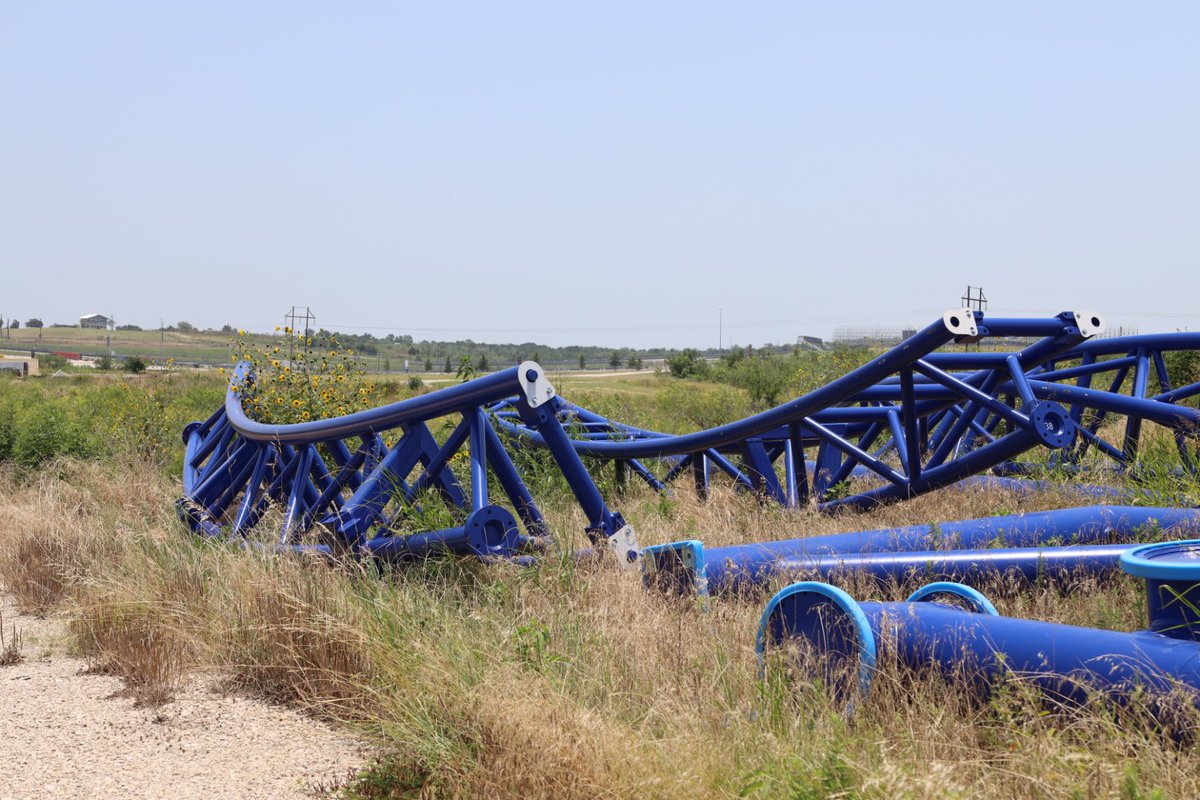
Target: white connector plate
{"x": 961, "y": 322}
{"x": 1090, "y": 323}
{"x": 625, "y": 548}
{"x": 538, "y": 390}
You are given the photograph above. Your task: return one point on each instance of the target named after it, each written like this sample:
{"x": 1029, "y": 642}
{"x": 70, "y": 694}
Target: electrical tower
{"x": 974, "y": 299}
{"x": 292, "y": 318}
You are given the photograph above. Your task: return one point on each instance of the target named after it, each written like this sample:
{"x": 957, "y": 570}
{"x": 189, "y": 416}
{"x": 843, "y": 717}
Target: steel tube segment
{"x": 752, "y": 566}
{"x": 977, "y": 646}
{"x": 1172, "y": 574}
{"x": 452, "y": 399}
{"x": 1166, "y": 414}
{"x": 1028, "y": 564}
{"x": 922, "y": 343}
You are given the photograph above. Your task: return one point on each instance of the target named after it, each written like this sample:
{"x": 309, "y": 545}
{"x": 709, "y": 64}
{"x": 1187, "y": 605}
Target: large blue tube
{"x": 1027, "y": 564}
{"x": 976, "y": 646}
{"x": 1172, "y": 573}
{"x": 740, "y": 567}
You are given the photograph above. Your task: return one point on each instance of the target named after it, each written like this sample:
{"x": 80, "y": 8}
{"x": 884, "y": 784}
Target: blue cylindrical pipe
{"x": 1172, "y": 573}
{"x": 739, "y": 567}
{"x": 965, "y": 566}
{"x": 488, "y": 531}
{"x": 1063, "y": 660}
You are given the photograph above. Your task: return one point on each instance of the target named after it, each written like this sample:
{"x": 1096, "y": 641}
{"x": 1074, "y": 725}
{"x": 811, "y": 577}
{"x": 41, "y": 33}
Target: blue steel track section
{"x": 359, "y": 478}
{"x": 916, "y": 419}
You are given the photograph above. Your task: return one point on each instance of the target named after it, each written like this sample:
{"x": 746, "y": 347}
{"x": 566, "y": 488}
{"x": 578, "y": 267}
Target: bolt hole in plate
{"x": 960, "y": 322}
{"x": 492, "y": 531}
{"x": 1053, "y": 424}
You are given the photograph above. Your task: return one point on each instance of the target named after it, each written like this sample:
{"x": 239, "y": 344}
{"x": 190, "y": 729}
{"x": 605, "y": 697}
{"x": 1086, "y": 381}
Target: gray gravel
{"x": 66, "y": 734}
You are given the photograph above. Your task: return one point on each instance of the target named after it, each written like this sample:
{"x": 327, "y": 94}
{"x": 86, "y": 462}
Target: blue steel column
{"x": 479, "y": 488}
{"x": 602, "y": 523}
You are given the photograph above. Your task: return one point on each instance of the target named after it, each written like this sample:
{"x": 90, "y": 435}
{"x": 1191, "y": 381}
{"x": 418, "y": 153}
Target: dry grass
{"x": 11, "y": 645}
{"x": 562, "y": 680}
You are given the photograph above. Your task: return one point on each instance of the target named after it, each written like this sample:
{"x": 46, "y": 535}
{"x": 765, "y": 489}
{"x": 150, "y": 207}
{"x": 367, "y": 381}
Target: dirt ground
{"x": 68, "y": 734}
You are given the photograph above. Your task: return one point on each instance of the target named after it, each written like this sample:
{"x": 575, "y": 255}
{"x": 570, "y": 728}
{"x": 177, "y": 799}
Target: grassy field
{"x": 558, "y": 680}
{"x": 213, "y": 347}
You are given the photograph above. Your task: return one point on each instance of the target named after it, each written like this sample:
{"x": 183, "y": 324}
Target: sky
{"x": 620, "y": 174}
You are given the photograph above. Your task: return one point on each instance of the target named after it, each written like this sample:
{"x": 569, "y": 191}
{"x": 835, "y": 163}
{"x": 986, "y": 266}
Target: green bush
{"x": 1183, "y": 367}
{"x": 51, "y": 361}
{"x": 688, "y": 364}
{"x": 49, "y": 430}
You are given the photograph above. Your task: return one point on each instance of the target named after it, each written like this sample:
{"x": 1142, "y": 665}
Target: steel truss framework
{"x": 343, "y": 476}
{"x": 914, "y": 419}
{"x": 917, "y": 419}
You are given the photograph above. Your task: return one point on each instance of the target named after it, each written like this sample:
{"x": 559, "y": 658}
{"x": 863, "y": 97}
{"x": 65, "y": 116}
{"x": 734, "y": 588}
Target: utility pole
{"x": 720, "y": 331}
{"x": 975, "y": 300}
{"x": 292, "y": 317}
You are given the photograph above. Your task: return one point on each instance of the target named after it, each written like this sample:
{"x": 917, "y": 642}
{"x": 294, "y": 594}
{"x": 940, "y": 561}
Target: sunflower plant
{"x": 298, "y": 378}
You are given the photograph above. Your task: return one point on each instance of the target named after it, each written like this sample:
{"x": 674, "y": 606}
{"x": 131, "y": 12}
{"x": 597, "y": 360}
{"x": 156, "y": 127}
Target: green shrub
{"x": 49, "y": 430}
{"x": 51, "y": 361}
{"x": 688, "y": 364}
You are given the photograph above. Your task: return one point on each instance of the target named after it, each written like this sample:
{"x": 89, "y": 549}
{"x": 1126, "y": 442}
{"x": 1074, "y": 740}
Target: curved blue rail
{"x": 915, "y": 419}
{"x": 849, "y": 427}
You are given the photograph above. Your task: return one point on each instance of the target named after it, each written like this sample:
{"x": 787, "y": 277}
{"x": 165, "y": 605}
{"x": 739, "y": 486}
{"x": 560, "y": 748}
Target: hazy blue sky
{"x": 608, "y": 173}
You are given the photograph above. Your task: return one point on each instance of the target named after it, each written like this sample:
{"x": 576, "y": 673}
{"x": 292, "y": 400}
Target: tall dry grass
{"x": 562, "y": 680}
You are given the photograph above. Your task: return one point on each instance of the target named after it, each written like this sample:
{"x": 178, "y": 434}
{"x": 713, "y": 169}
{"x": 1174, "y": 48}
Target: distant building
{"x": 20, "y": 365}
{"x": 811, "y": 343}
{"x": 94, "y": 321}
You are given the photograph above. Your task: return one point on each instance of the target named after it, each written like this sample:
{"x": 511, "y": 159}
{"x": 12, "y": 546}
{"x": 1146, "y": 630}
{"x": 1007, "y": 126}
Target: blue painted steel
{"x": 1028, "y": 564}
{"x": 1114, "y": 360}
{"x": 862, "y": 649}
{"x": 673, "y": 567}
{"x": 972, "y": 597}
{"x": 842, "y": 421}
{"x": 752, "y": 566}
{"x": 342, "y": 474}
{"x": 935, "y": 417}
{"x": 1064, "y": 661}
{"x": 1172, "y": 573}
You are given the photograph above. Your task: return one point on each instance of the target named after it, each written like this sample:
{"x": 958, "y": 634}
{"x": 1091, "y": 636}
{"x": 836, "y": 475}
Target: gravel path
{"x": 65, "y": 734}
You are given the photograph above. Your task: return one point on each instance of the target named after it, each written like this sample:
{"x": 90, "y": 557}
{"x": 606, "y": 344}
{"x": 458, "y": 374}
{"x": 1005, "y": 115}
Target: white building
{"x": 94, "y": 321}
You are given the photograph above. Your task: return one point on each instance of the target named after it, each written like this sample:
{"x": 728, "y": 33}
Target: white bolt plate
{"x": 622, "y": 543}
{"x": 961, "y": 322}
{"x": 538, "y": 391}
